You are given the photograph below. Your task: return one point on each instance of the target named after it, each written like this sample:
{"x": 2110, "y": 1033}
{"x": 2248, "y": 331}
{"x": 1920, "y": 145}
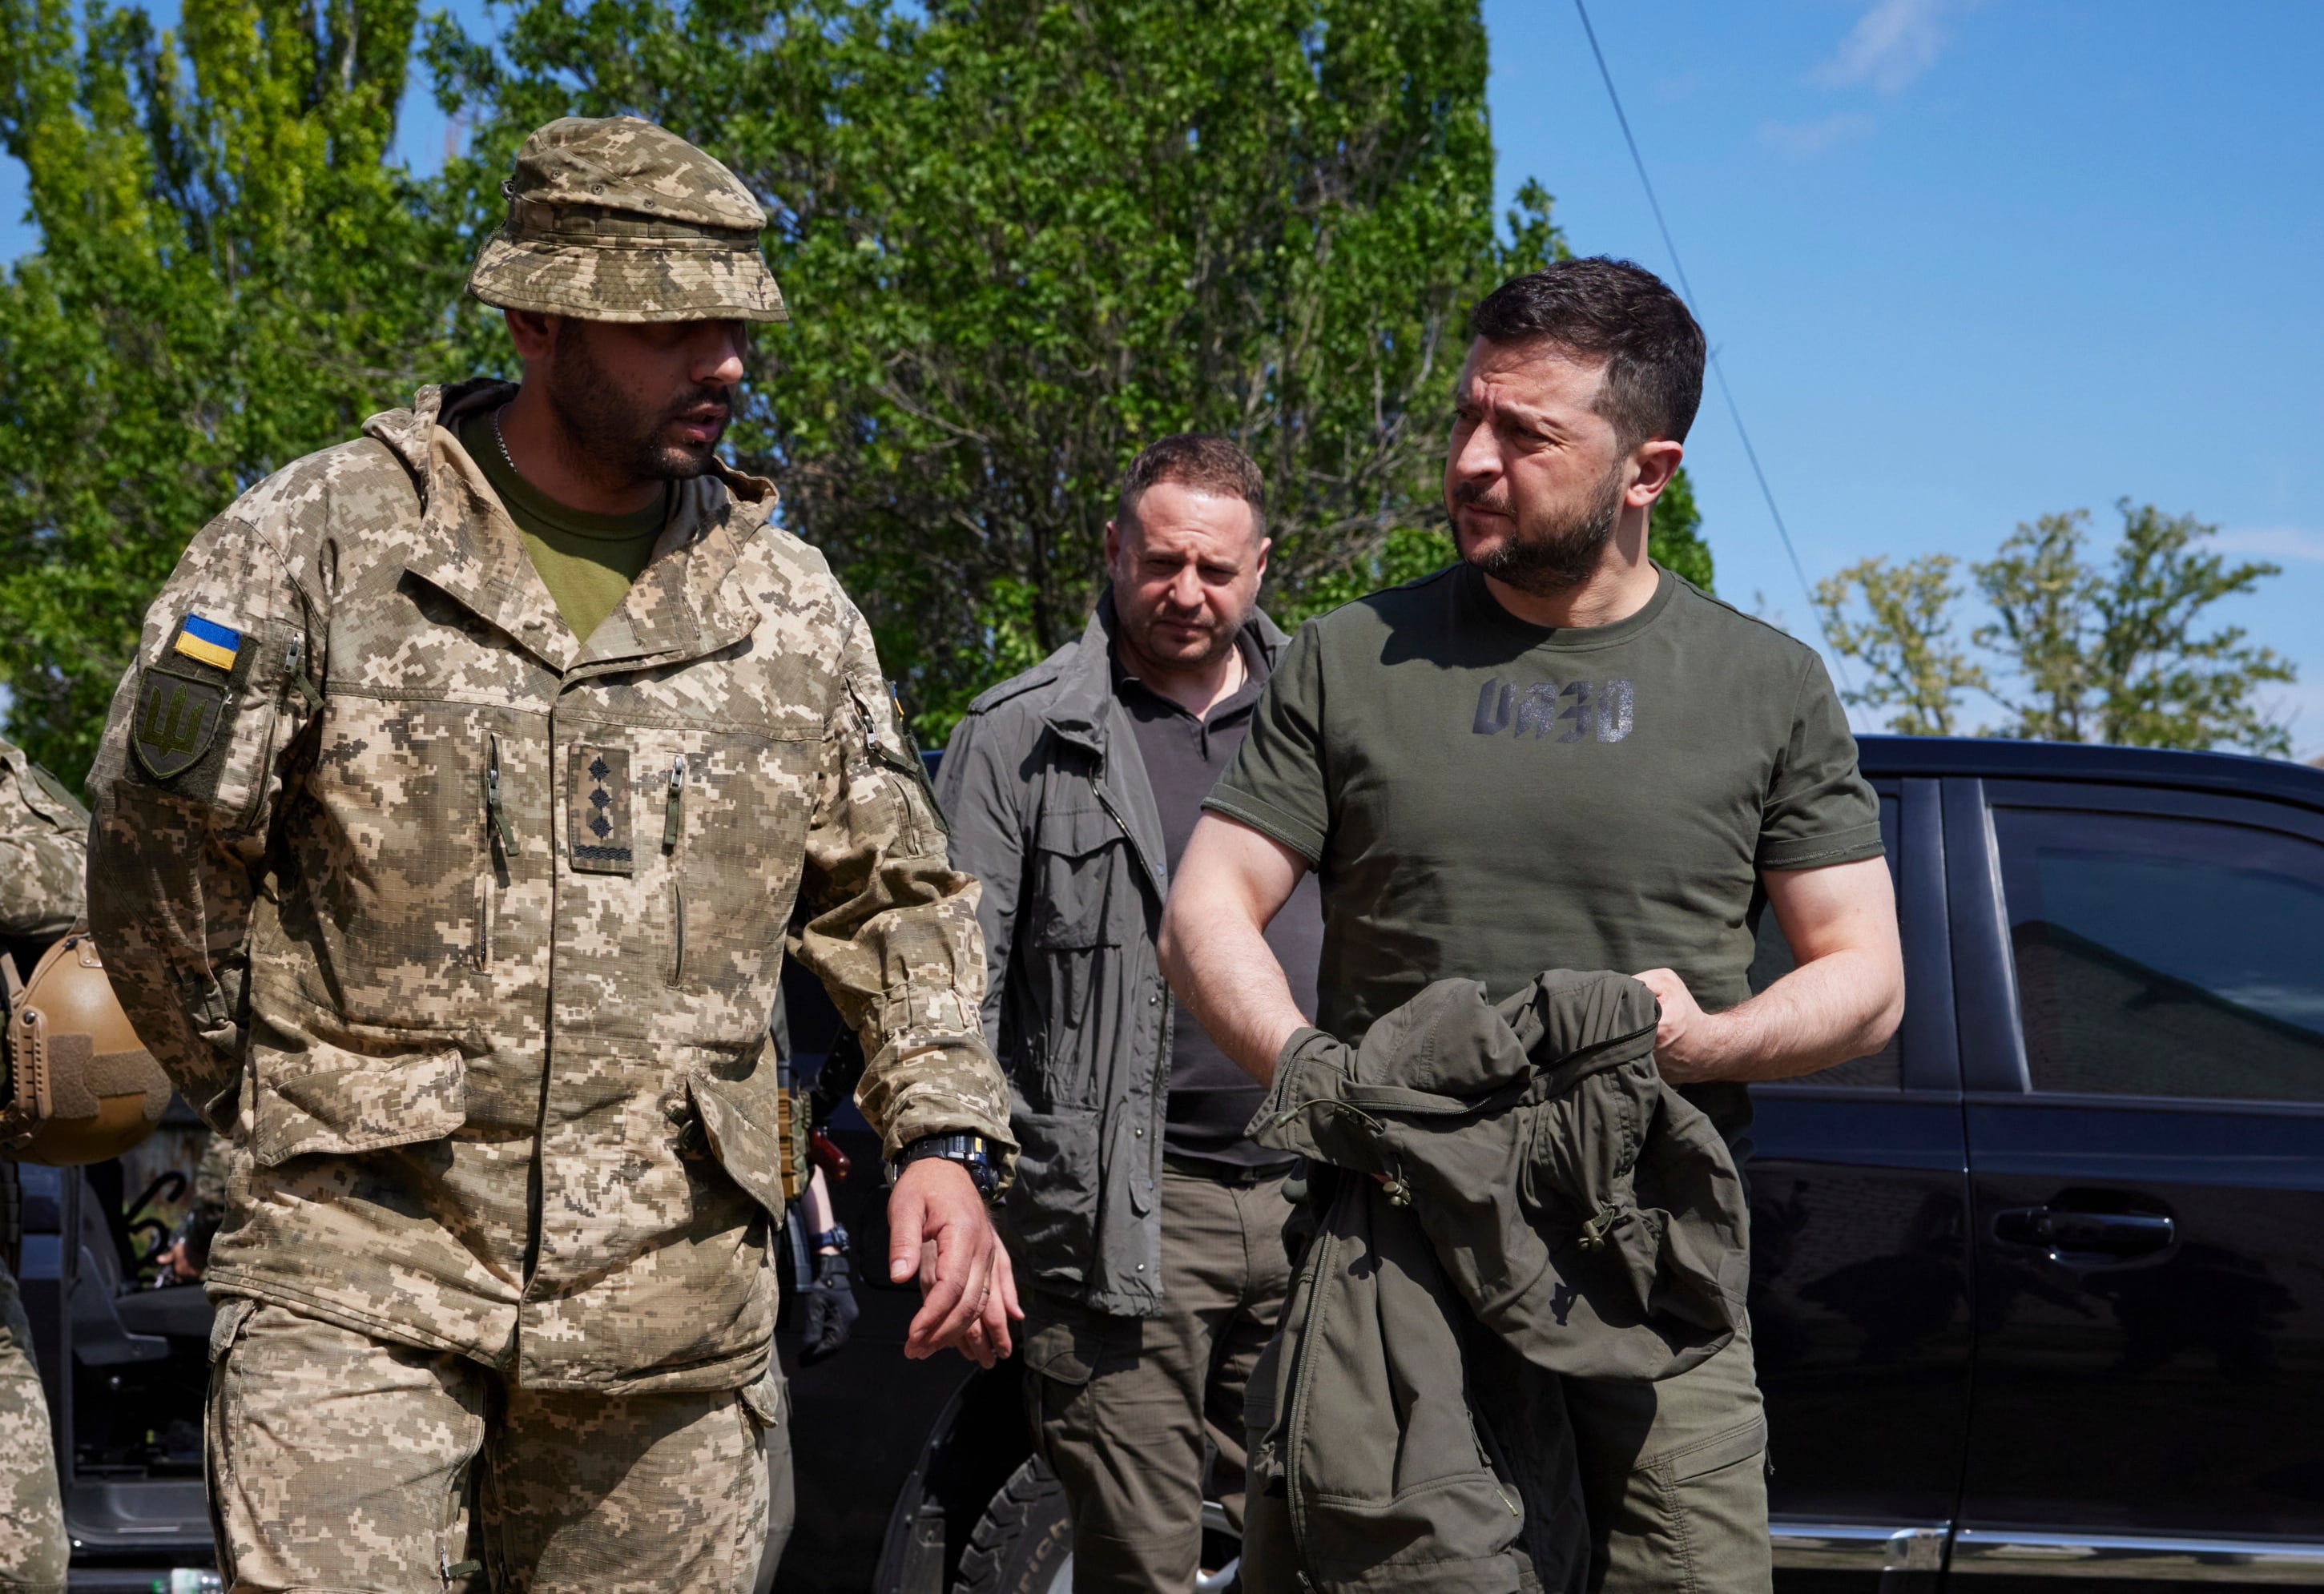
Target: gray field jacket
{"x": 1049, "y": 807}
{"x": 1534, "y": 1180}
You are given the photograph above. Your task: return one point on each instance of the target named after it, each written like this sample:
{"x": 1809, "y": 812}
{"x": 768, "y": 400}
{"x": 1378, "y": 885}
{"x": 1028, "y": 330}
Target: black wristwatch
{"x": 835, "y": 1237}
{"x": 970, "y": 1151}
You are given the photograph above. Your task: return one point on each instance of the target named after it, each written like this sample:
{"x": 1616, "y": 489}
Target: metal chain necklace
{"x": 498, "y": 436}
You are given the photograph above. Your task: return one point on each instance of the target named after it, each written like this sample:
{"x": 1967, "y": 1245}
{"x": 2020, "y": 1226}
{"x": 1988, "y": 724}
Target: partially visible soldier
{"x": 451, "y": 829}
{"x": 43, "y": 854}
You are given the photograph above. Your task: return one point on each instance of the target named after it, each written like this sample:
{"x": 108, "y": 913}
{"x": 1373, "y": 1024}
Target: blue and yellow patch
{"x": 206, "y": 641}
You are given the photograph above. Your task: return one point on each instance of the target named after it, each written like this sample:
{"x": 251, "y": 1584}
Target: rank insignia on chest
{"x": 183, "y": 696}
{"x": 597, "y": 810}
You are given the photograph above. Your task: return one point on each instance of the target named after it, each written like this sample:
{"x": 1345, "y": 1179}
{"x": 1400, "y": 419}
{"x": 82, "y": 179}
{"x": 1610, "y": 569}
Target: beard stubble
{"x": 1554, "y": 557}
{"x": 607, "y": 431}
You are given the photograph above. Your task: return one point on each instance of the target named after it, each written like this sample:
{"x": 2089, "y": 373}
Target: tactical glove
{"x": 831, "y": 1309}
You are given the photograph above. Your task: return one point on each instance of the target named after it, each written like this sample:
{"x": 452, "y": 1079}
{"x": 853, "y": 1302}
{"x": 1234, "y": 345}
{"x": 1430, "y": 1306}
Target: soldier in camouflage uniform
{"x": 43, "y": 850}
{"x": 470, "y": 919}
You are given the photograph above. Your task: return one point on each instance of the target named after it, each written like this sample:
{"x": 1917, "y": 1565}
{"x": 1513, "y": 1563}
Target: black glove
{"x": 831, "y": 1309}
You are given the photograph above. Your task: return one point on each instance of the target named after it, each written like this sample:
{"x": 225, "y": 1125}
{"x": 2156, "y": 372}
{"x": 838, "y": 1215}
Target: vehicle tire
{"x": 1024, "y": 1542}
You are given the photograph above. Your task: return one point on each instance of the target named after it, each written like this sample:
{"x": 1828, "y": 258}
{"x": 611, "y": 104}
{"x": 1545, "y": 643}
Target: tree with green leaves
{"x": 230, "y": 274}
{"x": 1022, "y": 239}
{"x": 2119, "y": 652}
{"x": 1905, "y": 639}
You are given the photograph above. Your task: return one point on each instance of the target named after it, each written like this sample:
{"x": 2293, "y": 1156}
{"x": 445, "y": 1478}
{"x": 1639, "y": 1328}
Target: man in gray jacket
{"x": 1145, "y": 1223}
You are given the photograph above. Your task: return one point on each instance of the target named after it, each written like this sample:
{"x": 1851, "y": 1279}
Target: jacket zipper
{"x": 673, "y": 827}
{"x": 498, "y": 837}
{"x": 495, "y": 813}
{"x": 671, "y": 810}
{"x": 1295, "y": 1422}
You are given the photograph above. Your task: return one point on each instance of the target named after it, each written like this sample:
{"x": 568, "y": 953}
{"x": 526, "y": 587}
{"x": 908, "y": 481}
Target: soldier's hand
{"x": 831, "y": 1309}
{"x": 938, "y": 1228}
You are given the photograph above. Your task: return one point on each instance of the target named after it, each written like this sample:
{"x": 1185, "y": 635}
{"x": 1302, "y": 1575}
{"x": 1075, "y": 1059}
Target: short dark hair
{"x": 1617, "y": 312}
{"x": 1192, "y": 459}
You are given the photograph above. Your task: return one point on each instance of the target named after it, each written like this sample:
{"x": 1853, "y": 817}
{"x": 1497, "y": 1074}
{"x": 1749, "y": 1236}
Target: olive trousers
{"x": 344, "y": 1463}
{"x": 1124, "y": 1409}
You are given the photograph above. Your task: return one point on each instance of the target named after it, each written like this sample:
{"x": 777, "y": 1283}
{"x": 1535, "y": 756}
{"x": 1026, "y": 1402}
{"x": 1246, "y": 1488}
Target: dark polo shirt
{"x": 1211, "y": 1099}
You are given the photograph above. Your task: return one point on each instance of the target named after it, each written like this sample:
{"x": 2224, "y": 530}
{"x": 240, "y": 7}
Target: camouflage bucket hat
{"x": 616, "y": 219}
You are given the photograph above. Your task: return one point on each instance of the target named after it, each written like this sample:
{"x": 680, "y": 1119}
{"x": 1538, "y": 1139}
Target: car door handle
{"x": 2085, "y": 1239}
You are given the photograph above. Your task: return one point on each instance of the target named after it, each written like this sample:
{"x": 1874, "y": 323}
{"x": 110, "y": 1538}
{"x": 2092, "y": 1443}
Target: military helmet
{"x": 81, "y": 1086}
{"x": 616, "y": 219}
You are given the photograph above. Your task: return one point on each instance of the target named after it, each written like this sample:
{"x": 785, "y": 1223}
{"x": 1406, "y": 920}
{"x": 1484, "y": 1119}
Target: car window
{"x": 1884, "y": 1069}
{"x": 2165, "y": 956}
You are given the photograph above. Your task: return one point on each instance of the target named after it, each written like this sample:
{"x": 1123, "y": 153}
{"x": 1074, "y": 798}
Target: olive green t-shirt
{"x": 1485, "y": 798}
{"x": 587, "y": 561}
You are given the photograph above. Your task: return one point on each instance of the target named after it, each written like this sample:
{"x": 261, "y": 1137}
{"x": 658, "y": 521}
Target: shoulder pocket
{"x": 895, "y": 753}
{"x": 208, "y": 712}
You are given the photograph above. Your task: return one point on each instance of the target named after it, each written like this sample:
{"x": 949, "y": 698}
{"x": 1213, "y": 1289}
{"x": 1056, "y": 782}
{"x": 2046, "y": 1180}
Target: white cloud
{"x": 2272, "y": 542}
{"x": 1891, "y": 44}
{"x": 1810, "y": 138}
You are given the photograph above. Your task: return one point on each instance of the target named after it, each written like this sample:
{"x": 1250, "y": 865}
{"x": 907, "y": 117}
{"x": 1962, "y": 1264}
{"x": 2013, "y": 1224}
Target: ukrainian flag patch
{"x": 206, "y": 641}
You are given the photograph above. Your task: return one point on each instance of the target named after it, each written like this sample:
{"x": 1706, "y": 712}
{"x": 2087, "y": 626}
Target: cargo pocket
{"x": 1052, "y": 1208}
{"x": 1061, "y": 1358}
{"x": 337, "y": 1087}
{"x": 226, "y": 1327}
{"x": 745, "y": 1141}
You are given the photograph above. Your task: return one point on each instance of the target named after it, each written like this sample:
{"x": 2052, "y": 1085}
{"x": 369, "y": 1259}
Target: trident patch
{"x": 178, "y": 718}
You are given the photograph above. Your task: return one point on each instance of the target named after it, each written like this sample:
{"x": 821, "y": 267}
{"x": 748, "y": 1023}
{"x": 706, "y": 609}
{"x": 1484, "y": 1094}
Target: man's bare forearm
{"x": 1838, "y": 1007}
{"x": 1213, "y": 946}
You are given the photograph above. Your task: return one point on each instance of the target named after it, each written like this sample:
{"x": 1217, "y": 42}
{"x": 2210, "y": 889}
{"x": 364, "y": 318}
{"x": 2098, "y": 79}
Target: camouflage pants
{"x": 340, "y": 1462}
{"x": 33, "y": 1550}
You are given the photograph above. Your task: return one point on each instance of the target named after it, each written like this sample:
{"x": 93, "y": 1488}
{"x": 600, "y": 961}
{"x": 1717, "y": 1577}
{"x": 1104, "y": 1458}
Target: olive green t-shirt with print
{"x": 587, "y": 561}
{"x": 1486, "y": 798}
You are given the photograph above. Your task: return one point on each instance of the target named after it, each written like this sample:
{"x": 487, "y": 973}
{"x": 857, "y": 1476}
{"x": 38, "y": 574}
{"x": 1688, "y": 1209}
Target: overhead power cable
{"x": 1718, "y": 370}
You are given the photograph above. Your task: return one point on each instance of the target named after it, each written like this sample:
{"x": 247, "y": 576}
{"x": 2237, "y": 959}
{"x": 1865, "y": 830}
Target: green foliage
{"x": 1405, "y": 554}
{"x": 1905, "y": 641}
{"x": 1674, "y": 533}
{"x": 2081, "y": 651}
{"x": 2114, "y": 654}
{"x": 228, "y": 277}
{"x": 1023, "y": 238}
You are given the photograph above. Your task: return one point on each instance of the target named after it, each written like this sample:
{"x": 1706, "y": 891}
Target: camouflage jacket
{"x": 471, "y": 930}
{"x": 43, "y": 850}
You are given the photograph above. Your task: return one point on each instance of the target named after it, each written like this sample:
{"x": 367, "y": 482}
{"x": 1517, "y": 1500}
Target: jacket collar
{"x": 1084, "y": 699}
{"x": 681, "y": 606}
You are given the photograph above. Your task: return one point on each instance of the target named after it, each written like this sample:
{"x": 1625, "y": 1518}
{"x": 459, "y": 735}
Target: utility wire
{"x": 1840, "y": 662}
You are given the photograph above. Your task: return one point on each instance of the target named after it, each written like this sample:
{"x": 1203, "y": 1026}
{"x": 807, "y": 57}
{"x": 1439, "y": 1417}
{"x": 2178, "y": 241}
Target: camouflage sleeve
{"x": 889, "y": 926}
{"x": 43, "y": 850}
{"x": 185, "y": 783}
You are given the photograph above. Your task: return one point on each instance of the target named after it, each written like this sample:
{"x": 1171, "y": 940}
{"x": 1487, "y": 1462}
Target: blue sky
{"x": 1968, "y": 263}
{"x": 1965, "y": 264}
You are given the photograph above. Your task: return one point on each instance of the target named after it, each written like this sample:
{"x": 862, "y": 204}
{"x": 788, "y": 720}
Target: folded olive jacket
{"x": 1534, "y": 1177}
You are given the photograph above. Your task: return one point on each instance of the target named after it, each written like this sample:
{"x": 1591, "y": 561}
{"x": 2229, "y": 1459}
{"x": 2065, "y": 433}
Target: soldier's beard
{"x": 606, "y": 433}
{"x": 1556, "y": 555}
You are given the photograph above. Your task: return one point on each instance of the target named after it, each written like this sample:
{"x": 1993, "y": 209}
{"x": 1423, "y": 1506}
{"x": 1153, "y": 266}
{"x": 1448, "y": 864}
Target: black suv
{"x": 2038, "y": 1291}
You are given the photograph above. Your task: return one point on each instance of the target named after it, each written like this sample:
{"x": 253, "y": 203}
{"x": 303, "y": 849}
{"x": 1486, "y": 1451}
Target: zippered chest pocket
{"x": 728, "y": 820}
{"x": 1080, "y": 893}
